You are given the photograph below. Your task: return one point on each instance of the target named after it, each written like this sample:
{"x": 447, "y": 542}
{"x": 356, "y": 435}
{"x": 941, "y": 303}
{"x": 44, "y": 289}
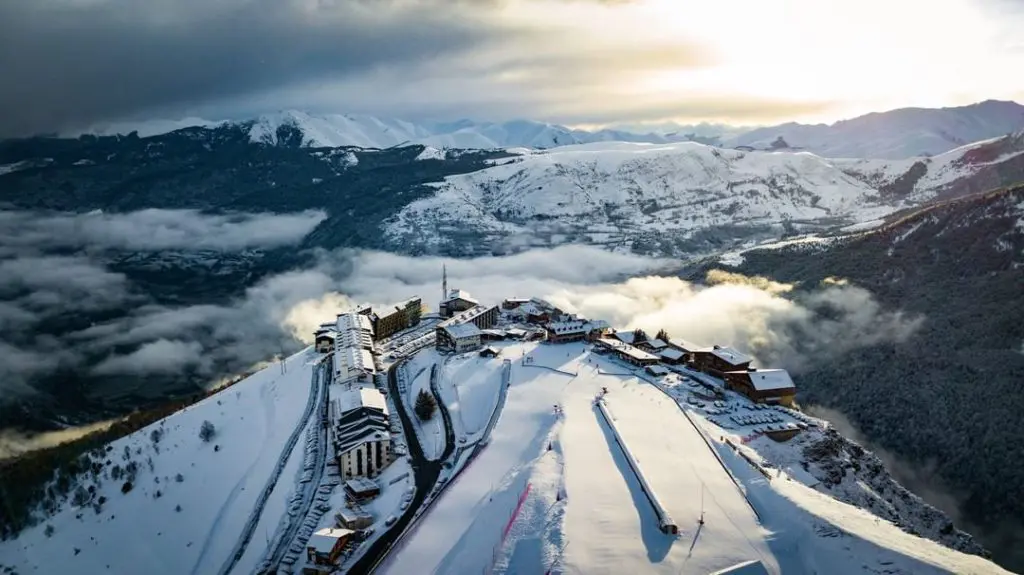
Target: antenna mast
{"x": 444, "y": 282}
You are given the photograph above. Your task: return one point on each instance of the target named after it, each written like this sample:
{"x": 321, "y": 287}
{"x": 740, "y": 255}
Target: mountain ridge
{"x": 883, "y": 135}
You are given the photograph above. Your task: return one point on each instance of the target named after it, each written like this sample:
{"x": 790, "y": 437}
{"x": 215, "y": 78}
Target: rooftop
{"x": 770, "y": 379}
{"x": 672, "y": 354}
{"x": 728, "y": 354}
{"x": 462, "y": 330}
{"x": 350, "y": 362}
{"x": 351, "y": 399}
{"x": 626, "y": 349}
{"x": 354, "y": 321}
{"x": 361, "y": 485}
{"x": 455, "y": 294}
{"x": 684, "y": 344}
{"x": 323, "y": 541}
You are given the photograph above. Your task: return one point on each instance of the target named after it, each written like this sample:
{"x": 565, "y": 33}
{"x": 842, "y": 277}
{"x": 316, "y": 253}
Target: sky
{"x": 69, "y": 64}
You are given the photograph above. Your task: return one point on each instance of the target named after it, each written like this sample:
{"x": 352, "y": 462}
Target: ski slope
{"x": 554, "y": 492}
{"x": 171, "y": 527}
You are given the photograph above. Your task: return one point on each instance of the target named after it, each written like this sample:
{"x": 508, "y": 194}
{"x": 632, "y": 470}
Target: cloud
{"x": 176, "y": 346}
{"x": 67, "y": 62}
{"x": 160, "y": 356}
{"x": 155, "y": 230}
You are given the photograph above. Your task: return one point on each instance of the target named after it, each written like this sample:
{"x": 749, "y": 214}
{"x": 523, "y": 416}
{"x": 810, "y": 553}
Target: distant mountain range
{"x": 896, "y": 134}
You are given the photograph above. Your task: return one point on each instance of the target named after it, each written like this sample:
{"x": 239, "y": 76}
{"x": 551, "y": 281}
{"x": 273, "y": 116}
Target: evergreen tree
{"x": 639, "y": 336}
{"x": 662, "y": 335}
{"x": 425, "y": 405}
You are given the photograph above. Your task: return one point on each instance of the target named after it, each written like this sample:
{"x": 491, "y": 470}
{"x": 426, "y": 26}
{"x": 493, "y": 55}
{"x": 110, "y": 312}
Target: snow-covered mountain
{"x": 169, "y": 499}
{"x": 901, "y": 133}
{"x": 684, "y": 197}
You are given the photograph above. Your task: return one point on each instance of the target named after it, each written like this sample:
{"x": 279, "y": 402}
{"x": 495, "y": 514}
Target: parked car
{"x": 390, "y": 520}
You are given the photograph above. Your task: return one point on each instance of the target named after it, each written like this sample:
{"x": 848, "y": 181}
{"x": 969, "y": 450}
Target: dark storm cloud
{"x": 68, "y": 63}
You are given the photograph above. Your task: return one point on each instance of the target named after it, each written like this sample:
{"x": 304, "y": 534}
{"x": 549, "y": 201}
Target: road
{"x": 310, "y": 488}
{"x": 425, "y": 474}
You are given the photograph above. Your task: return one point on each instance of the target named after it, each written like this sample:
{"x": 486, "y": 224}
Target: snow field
{"x": 469, "y": 385}
{"x": 253, "y": 419}
{"x": 431, "y": 432}
{"x": 458, "y": 534}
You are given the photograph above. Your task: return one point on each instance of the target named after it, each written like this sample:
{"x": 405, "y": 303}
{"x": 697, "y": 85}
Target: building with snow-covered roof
{"x": 626, "y": 352}
{"x": 458, "y": 337}
{"x": 717, "y": 360}
{"x": 324, "y": 340}
{"x": 360, "y": 433}
{"x": 652, "y": 345}
{"x": 457, "y": 301}
{"x": 353, "y": 364}
{"x": 354, "y": 321}
{"x": 462, "y": 331}
{"x": 362, "y": 488}
{"x": 574, "y": 330}
{"x": 672, "y": 356}
{"x": 323, "y": 550}
{"x": 763, "y": 385}
{"x": 405, "y": 315}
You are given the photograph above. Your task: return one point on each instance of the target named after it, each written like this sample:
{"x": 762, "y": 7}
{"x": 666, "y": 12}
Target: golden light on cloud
{"x": 814, "y": 60}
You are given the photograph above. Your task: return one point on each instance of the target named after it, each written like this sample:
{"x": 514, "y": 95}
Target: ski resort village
{"x": 511, "y": 436}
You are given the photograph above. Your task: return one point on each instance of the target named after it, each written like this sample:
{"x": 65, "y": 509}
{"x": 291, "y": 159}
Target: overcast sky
{"x": 68, "y": 64}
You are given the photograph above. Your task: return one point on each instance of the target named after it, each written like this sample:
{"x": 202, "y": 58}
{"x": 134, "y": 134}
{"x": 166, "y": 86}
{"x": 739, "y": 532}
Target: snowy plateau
{"x": 673, "y": 198}
{"x": 559, "y": 452}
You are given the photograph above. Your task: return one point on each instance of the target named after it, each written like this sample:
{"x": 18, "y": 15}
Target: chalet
{"x": 489, "y": 352}
{"x": 405, "y": 315}
{"x": 457, "y": 337}
{"x": 323, "y": 550}
{"x": 324, "y": 340}
{"x": 361, "y": 488}
{"x": 672, "y": 356}
{"x": 457, "y": 301}
{"x": 718, "y": 360}
{"x": 626, "y": 352}
{"x": 654, "y": 346}
{"x": 353, "y": 517}
{"x": 492, "y": 334}
{"x": 516, "y": 333}
{"x": 763, "y": 385}
{"x": 656, "y": 370}
{"x": 514, "y": 302}
{"x": 575, "y": 330}
{"x": 361, "y": 435}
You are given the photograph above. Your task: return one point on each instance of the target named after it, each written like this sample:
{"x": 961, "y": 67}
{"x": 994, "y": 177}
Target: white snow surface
{"x": 253, "y": 420}
{"x": 639, "y": 188}
{"x": 902, "y": 133}
{"x": 430, "y": 432}
{"x": 582, "y": 509}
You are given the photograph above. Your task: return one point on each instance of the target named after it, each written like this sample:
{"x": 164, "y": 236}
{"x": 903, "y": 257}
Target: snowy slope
{"x": 902, "y": 133}
{"x": 685, "y": 197}
{"x": 187, "y": 525}
{"x": 553, "y": 492}
{"x": 618, "y": 193}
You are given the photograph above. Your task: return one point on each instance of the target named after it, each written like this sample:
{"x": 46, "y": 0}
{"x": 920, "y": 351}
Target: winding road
{"x": 425, "y": 473}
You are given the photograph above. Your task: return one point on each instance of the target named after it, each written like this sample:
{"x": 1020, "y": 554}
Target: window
{"x": 380, "y": 462}
{"x": 359, "y": 461}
